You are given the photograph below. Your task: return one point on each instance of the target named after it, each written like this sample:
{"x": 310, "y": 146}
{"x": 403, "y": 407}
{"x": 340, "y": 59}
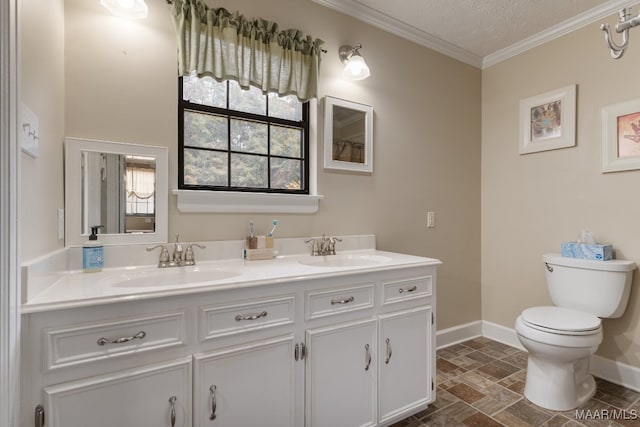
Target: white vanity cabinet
{"x": 341, "y": 375}
{"x": 155, "y": 395}
{"x": 246, "y": 385}
{"x": 405, "y": 357}
{"x": 352, "y": 349}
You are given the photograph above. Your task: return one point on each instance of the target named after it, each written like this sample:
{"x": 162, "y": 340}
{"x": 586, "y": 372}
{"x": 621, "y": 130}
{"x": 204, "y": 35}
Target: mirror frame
{"x": 329, "y": 162}
{"x": 73, "y": 186}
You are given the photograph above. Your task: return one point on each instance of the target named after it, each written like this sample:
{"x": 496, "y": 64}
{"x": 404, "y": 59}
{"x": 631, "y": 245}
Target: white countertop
{"x": 79, "y": 289}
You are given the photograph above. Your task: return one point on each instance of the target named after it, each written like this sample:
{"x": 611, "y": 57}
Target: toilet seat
{"x": 560, "y": 320}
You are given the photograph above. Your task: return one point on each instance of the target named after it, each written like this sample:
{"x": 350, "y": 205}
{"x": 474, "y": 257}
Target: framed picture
{"x": 348, "y": 135}
{"x": 548, "y": 121}
{"x": 621, "y": 136}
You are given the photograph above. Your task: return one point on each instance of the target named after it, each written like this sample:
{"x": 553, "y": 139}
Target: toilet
{"x": 561, "y": 338}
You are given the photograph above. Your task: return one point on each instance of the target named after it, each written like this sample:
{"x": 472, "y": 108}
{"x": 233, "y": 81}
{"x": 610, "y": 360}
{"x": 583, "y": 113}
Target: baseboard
{"x": 457, "y": 334}
{"x": 616, "y": 372}
{"x": 610, "y": 370}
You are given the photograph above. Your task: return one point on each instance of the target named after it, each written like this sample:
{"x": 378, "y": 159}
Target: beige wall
{"x": 42, "y": 90}
{"x": 531, "y": 203}
{"x": 120, "y": 84}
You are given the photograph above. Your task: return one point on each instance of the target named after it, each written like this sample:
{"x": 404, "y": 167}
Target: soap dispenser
{"x": 93, "y": 252}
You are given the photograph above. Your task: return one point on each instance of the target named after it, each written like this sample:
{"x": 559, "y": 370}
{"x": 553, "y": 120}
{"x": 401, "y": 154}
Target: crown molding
{"x": 557, "y": 31}
{"x": 409, "y": 32}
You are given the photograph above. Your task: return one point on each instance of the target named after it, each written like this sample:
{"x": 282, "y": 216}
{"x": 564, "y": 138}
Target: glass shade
{"x": 355, "y": 68}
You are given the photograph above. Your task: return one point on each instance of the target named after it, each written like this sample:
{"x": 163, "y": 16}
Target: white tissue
{"x": 586, "y": 237}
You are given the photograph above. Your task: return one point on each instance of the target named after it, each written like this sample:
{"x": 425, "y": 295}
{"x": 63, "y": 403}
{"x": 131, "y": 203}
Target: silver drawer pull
{"x": 411, "y": 289}
{"x": 172, "y": 414}
{"x": 212, "y": 389}
{"x": 122, "y": 340}
{"x": 389, "y": 351}
{"x": 367, "y": 357}
{"x": 251, "y": 316}
{"x": 342, "y": 301}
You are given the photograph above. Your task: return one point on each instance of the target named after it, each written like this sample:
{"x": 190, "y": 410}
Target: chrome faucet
{"x": 323, "y": 245}
{"x": 181, "y": 257}
{"x": 177, "y": 250}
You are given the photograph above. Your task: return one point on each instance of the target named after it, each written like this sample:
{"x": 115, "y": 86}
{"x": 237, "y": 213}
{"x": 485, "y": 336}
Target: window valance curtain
{"x": 217, "y": 43}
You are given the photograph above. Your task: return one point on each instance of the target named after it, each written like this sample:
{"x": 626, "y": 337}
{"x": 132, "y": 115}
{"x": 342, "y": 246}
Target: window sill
{"x": 238, "y": 202}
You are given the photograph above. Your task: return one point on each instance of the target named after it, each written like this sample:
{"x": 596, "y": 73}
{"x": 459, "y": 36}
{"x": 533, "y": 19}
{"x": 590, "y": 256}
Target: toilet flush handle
{"x": 549, "y": 267}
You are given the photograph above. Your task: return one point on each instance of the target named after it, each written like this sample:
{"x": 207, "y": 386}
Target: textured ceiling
{"x": 474, "y": 30}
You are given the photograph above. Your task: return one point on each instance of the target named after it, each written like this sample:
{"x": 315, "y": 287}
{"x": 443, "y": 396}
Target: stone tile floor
{"x": 480, "y": 383}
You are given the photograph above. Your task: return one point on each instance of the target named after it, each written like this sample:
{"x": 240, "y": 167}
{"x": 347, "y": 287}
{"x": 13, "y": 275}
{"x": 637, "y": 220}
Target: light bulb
{"x": 356, "y": 68}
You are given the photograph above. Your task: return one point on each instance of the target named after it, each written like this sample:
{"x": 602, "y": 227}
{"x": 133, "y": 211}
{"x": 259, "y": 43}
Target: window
{"x": 140, "y": 176}
{"x": 232, "y": 139}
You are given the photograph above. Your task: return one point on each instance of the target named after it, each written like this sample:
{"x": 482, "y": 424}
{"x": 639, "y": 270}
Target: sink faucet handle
{"x": 332, "y": 244}
{"x": 163, "y": 261}
{"x": 314, "y": 246}
{"x": 189, "y": 258}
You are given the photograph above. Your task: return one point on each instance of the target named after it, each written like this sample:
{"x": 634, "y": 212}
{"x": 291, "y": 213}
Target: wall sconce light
{"x": 133, "y": 9}
{"x": 354, "y": 66}
{"x": 624, "y": 24}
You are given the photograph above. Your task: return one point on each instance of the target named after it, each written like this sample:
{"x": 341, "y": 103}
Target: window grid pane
{"x": 259, "y": 143}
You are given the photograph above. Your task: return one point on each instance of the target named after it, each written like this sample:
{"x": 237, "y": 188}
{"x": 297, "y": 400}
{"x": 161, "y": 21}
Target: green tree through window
{"x": 234, "y": 139}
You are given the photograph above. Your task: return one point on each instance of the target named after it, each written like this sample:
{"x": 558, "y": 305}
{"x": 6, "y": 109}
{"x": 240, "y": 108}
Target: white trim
{"x": 501, "y": 334}
{"x": 406, "y": 31}
{"x": 610, "y": 370}
{"x": 457, "y": 334}
{"x": 394, "y": 26}
{"x": 194, "y": 201}
{"x": 9, "y": 214}
{"x": 232, "y": 202}
{"x": 616, "y": 372}
{"x": 557, "y": 31}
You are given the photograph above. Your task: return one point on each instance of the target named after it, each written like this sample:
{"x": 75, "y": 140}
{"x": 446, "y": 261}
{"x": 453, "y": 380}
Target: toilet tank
{"x": 598, "y": 287}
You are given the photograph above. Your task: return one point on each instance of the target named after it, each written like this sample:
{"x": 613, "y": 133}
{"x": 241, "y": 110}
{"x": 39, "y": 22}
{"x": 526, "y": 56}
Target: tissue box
{"x": 587, "y": 251}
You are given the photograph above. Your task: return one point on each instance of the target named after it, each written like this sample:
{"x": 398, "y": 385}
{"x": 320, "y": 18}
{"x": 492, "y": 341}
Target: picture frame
{"x": 621, "y": 136}
{"x": 548, "y": 120}
{"x": 348, "y": 135}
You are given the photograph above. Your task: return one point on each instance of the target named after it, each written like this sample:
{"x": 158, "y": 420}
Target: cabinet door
{"x": 340, "y": 375}
{"x": 151, "y": 396}
{"x": 405, "y": 362}
{"x": 247, "y": 385}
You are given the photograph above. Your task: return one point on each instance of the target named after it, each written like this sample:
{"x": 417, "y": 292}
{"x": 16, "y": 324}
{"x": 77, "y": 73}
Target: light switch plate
{"x": 30, "y": 132}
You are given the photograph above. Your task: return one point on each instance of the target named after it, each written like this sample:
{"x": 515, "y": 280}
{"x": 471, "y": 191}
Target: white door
{"x": 246, "y": 385}
{"x": 150, "y": 396}
{"x": 340, "y": 375}
{"x": 405, "y": 357}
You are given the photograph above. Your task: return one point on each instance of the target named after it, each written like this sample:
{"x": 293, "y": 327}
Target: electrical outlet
{"x": 431, "y": 219}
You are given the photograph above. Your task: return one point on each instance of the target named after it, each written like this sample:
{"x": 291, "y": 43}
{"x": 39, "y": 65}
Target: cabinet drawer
{"x": 336, "y": 301}
{"x": 78, "y": 344}
{"x": 235, "y": 318}
{"x": 408, "y": 289}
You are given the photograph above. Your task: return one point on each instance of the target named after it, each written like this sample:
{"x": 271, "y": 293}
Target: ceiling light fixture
{"x": 624, "y": 24}
{"x": 354, "y": 66}
{"x": 133, "y": 9}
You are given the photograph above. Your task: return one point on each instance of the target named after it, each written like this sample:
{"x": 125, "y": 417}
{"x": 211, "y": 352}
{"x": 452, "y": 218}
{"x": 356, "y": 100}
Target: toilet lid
{"x": 561, "y": 319}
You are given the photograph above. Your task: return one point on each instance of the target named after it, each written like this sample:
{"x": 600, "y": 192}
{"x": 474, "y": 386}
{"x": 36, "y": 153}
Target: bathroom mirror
{"x": 348, "y": 135}
{"x": 121, "y": 187}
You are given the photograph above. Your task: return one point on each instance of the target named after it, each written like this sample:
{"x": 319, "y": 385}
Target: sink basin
{"x": 345, "y": 260}
{"x": 168, "y": 276}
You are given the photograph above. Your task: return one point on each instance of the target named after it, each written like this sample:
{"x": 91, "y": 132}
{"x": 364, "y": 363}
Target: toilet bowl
{"x": 560, "y": 339}
{"x": 560, "y": 342}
